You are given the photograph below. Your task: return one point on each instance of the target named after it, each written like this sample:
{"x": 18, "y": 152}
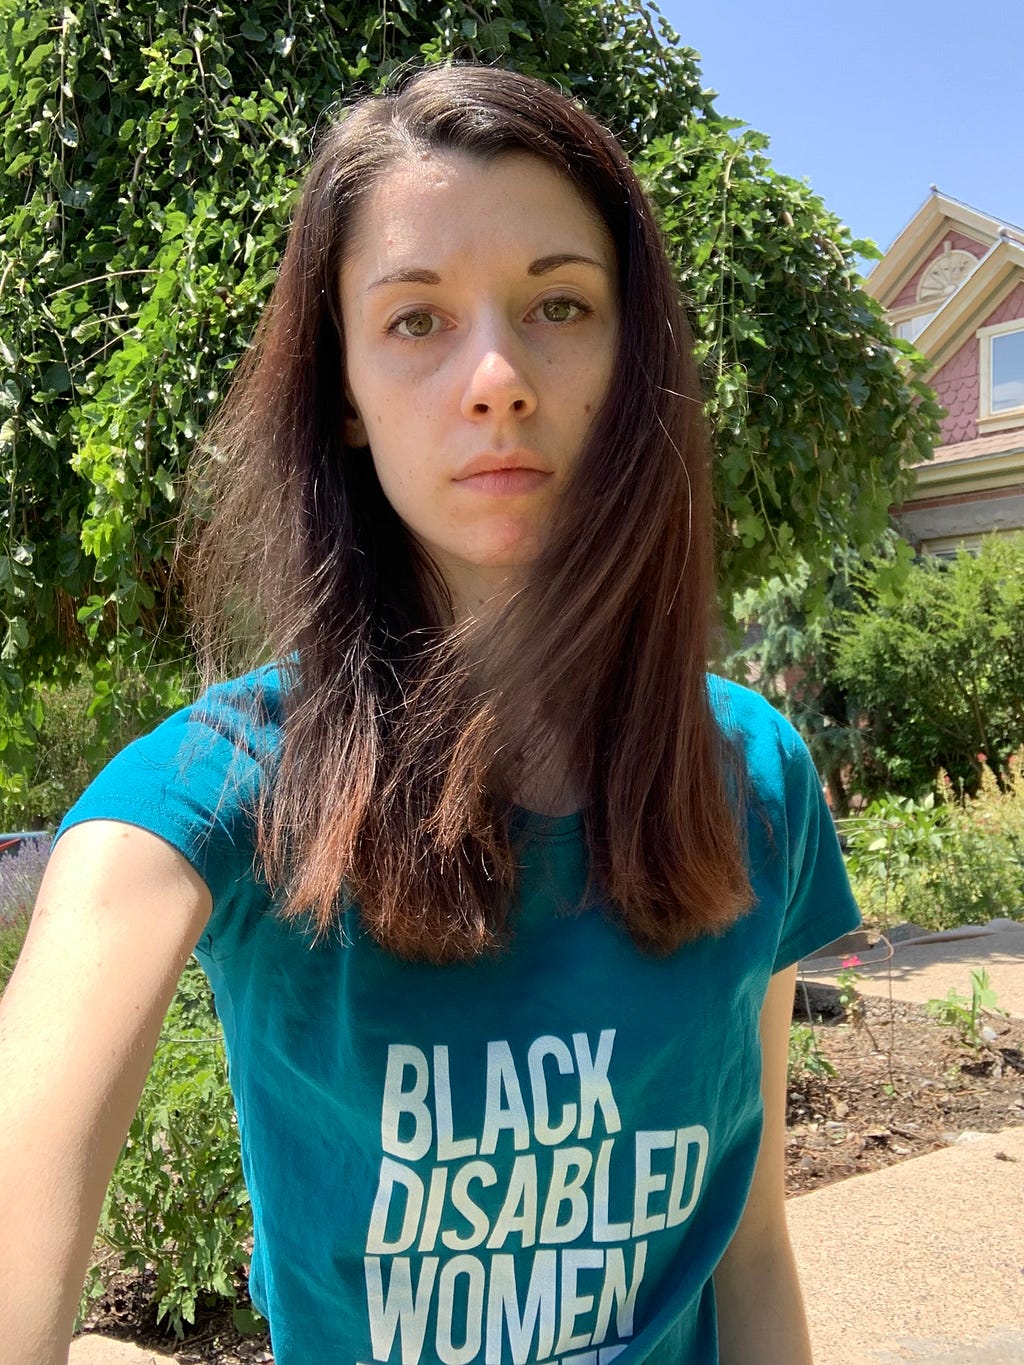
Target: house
{"x": 953, "y": 284}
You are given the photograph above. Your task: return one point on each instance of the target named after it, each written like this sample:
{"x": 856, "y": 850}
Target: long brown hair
{"x": 406, "y": 738}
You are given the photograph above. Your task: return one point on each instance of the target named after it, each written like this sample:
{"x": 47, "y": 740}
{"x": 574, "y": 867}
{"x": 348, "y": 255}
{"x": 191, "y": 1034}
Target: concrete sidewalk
{"x": 923, "y": 966}
{"x": 922, "y": 1261}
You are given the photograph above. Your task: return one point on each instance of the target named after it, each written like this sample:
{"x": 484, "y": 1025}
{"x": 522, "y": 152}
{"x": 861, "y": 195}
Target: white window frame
{"x": 1008, "y": 417}
{"x": 917, "y": 322}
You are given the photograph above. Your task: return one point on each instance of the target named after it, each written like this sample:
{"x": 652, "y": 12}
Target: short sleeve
{"x": 195, "y": 781}
{"x": 819, "y": 902}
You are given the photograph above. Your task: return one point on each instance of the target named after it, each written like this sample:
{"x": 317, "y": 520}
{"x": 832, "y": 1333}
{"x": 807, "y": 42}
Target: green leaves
{"x": 177, "y": 1203}
{"x": 936, "y": 661}
{"x": 814, "y": 422}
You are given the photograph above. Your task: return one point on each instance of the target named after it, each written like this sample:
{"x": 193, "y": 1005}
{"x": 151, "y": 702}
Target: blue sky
{"x": 873, "y": 103}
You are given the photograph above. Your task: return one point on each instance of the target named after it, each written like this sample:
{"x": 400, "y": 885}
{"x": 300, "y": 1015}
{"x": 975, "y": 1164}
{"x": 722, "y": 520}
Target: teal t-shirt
{"x": 531, "y": 1160}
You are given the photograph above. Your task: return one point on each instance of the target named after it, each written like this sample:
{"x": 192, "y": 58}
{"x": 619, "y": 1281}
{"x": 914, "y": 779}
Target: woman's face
{"x": 480, "y": 311}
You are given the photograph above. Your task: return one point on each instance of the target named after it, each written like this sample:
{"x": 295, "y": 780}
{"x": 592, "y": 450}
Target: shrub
{"x": 938, "y": 668}
{"x": 177, "y": 1204}
{"x": 58, "y": 771}
{"x": 944, "y": 862}
{"x": 69, "y": 731}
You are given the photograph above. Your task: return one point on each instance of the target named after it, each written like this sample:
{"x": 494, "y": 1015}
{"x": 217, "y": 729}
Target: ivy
{"x": 149, "y": 154}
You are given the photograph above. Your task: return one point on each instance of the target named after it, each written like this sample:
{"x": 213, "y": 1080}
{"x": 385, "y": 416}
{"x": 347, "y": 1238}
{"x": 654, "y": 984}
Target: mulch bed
{"x": 904, "y": 1085}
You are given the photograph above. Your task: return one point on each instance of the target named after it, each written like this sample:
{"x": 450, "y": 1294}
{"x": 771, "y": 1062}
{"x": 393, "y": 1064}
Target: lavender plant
{"x": 20, "y": 875}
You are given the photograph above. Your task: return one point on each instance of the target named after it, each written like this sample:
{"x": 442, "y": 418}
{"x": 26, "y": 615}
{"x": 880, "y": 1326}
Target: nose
{"x": 498, "y": 385}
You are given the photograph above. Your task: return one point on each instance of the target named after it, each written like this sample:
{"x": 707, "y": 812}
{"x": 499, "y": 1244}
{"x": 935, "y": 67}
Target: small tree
{"x": 787, "y": 657}
{"x": 938, "y": 668}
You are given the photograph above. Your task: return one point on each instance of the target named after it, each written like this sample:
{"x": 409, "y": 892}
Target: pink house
{"x": 953, "y": 283}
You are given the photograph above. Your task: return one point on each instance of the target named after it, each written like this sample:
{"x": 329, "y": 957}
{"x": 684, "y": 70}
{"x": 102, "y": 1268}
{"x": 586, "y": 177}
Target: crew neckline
{"x": 540, "y": 826}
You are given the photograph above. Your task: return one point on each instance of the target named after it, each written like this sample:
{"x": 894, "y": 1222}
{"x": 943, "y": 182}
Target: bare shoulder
{"x": 105, "y": 877}
{"x": 119, "y": 911}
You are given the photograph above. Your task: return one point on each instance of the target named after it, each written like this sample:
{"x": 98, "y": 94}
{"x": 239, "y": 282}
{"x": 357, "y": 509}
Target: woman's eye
{"x": 562, "y": 310}
{"x": 418, "y": 324}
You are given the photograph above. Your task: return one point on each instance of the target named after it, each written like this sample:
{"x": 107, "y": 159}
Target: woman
{"x": 500, "y": 897}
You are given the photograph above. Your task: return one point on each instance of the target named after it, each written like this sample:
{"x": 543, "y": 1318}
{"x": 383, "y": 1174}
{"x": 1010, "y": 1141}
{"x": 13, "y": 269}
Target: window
{"x": 913, "y": 327}
{"x": 1007, "y": 372}
{"x": 946, "y": 274}
{"x": 1002, "y": 374}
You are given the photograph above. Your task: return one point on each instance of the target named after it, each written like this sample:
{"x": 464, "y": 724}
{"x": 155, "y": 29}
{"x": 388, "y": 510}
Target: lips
{"x": 510, "y": 473}
{"x": 492, "y": 462}
{"x": 505, "y": 482}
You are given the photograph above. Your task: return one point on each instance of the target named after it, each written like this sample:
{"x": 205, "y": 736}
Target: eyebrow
{"x": 542, "y": 266}
{"x": 560, "y": 258}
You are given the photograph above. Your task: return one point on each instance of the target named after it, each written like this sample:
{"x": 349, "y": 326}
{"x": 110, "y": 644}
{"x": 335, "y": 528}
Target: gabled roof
{"x": 998, "y": 271}
{"x": 919, "y": 238}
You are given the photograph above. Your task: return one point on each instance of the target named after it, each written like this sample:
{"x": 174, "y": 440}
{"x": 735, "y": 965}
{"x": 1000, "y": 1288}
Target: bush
{"x": 70, "y": 731}
{"x": 945, "y": 861}
{"x": 938, "y": 668}
{"x": 58, "y": 771}
{"x": 177, "y": 1205}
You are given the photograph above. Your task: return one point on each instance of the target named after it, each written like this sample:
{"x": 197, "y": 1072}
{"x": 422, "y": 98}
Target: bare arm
{"x": 760, "y": 1310}
{"x": 118, "y": 914}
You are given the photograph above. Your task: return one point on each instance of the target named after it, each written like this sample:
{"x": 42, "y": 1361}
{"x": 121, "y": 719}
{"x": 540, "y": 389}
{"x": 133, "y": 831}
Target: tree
{"x": 787, "y": 657}
{"x": 789, "y": 653}
{"x": 938, "y": 669}
{"x": 150, "y": 155}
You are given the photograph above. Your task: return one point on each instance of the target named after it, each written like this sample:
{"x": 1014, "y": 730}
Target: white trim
{"x": 1010, "y": 417}
{"x": 946, "y": 547}
{"x": 907, "y": 253}
{"x": 995, "y": 328}
{"x": 1004, "y": 421}
{"x": 906, "y": 311}
{"x": 972, "y": 474}
{"x": 983, "y": 291}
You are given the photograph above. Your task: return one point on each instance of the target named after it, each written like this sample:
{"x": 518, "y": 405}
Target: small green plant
{"x": 805, "y": 1057}
{"x": 177, "y": 1204}
{"x": 964, "y": 1013}
{"x": 949, "y": 860}
{"x": 891, "y": 836}
{"x": 847, "y": 979}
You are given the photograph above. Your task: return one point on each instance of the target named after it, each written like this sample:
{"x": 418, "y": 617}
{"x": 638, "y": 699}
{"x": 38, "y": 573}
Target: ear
{"x": 355, "y": 431}
{"x": 354, "y": 426}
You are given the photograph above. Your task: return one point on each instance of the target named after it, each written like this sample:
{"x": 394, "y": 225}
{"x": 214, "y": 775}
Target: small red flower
{"x": 852, "y": 961}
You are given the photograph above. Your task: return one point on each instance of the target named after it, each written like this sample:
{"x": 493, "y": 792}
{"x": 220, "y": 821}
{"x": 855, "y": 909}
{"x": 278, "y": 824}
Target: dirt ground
{"x": 904, "y": 1085}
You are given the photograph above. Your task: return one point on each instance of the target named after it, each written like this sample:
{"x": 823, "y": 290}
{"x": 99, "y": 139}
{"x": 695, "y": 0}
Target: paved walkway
{"x": 922, "y": 1261}
{"x": 925, "y": 966}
